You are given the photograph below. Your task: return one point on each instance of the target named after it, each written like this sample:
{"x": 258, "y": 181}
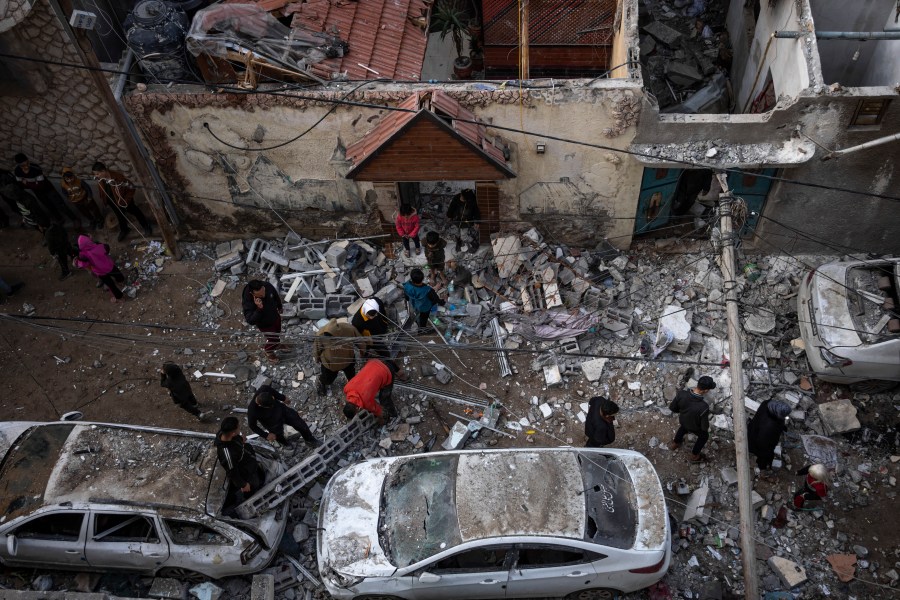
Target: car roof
{"x": 53, "y": 463}
{"x": 519, "y": 493}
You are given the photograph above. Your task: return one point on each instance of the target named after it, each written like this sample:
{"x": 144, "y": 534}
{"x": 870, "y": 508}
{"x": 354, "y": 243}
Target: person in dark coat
{"x": 59, "y": 246}
{"x": 435, "y": 256}
{"x": 31, "y": 177}
{"x": 238, "y": 459}
{"x": 371, "y": 322}
{"x": 765, "y": 429}
{"x": 599, "y": 427}
{"x": 693, "y": 416}
{"x": 262, "y": 308}
{"x": 465, "y": 214}
{"x": 117, "y": 192}
{"x": 173, "y": 379}
{"x": 268, "y": 410}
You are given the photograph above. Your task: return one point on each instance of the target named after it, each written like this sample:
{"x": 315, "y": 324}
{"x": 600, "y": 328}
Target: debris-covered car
{"x": 848, "y": 314}
{"x": 513, "y": 523}
{"x": 101, "y": 497}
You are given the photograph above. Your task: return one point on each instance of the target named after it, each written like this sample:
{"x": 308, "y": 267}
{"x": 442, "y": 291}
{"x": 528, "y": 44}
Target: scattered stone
{"x": 839, "y": 416}
{"x": 790, "y": 573}
{"x": 165, "y": 587}
{"x": 593, "y": 369}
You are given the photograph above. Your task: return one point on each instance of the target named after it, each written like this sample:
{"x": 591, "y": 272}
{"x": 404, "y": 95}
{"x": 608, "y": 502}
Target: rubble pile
{"x": 686, "y": 55}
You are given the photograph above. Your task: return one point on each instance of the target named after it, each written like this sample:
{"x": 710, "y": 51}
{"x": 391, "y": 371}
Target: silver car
{"x": 100, "y": 497}
{"x": 845, "y": 312}
{"x": 519, "y": 523}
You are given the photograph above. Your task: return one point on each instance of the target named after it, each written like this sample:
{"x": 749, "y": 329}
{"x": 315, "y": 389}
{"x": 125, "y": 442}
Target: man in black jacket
{"x": 693, "y": 416}
{"x": 238, "y": 459}
{"x": 599, "y": 426}
{"x": 262, "y": 308}
{"x": 268, "y": 410}
{"x": 765, "y": 429}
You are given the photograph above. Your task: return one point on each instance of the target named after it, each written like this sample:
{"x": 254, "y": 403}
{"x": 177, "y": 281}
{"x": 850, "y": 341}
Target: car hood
{"x": 348, "y": 540}
{"x": 832, "y": 312}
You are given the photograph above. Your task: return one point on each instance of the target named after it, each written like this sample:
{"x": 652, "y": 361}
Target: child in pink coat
{"x": 95, "y": 258}
{"x": 407, "y": 224}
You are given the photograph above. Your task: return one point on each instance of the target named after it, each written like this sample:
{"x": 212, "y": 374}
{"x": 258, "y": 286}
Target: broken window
{"x": 473, "y": 561}
{"x": 609, "y": 499}
{"x": 187, "y": 532}
{"x": 869, "y": 112}
{"x": 58, "y": 526}
{"x": 127, "y": 527}
{"x": 418, "y": 510}
{"x": 553, "y": 556}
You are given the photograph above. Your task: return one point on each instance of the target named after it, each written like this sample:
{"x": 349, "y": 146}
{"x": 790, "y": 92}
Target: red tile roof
{"x": 551, "y": 22}
{"x": 379, "y": 33}
{"x": 440, "y": 104}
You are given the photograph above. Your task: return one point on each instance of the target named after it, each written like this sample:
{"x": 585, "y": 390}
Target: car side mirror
{"x": 12, "y": 544}
{"x": 427, "y": 577}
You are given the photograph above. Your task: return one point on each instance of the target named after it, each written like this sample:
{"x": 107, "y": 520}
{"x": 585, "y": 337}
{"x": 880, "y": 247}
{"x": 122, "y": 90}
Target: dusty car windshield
{"x": 418, "y": 509}
{"x": 609, "y": 500}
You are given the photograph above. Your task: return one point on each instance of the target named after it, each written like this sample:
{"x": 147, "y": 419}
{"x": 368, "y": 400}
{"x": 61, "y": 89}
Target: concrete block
{"x": 756, "y": 500}
{"x": 546, "y": 410}
{"x": 218, "y": 288}
{"x": 443, "y": 376}
{"x": 677, "y": 322}
{"x": 164, "y": 587}
{"x": 238, "y": 269}
{"x": 389, "y": 294}
{"x": 301, "y": 266}
{"x": 696, "y": 507}
{"x": 593, "y": 369}
{"x": 839, "y": 416}
{"x": 552, "y": 296}
{"x": 331, "y": 285}
{"x": 682, "y": 73}
{"x": 311, "y": 308}
{"x": 663, "y": 33}
{"x": 569, "y": 346}
{"x": 260, "y": 381}
{"x": 224, "y": 249}
{"x": 506, "y": 255}
{"x": 228, "y": 261}
{"x": 254, "y": 255}
{"x": 729, "y": 475}
{"x": 790, "y": 573}
{"x": 335, "y": 256}
{"x": 263, "y": 587}
{"x": 365, "y": 287}
{"x": 458, "y": 437}
{"x": 275, "y": 257}
{"x": 552, "y": 376}
{"x": 206, "y": 591}
{"x": 762, "y": 322}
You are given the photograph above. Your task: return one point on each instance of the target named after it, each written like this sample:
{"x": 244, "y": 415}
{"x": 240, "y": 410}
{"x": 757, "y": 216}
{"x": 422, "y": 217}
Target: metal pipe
{"x": 872, "y": 144}
{"x": 123, "y": 78}
{"x": 436, "y": 393}
{"x": 842, "y": 35}
{"x": 502, "y": 356}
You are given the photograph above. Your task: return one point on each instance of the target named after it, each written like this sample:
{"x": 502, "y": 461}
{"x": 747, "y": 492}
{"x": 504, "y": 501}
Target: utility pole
{"x": 745, "y": 487}
{"x": 524, "y": 47}
{"x": 62, "y": 8}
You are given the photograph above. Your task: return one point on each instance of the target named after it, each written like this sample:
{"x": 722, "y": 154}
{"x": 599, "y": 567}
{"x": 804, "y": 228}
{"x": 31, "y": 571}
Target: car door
{"x": 479, "y": 572}
{"x": 125, "y": 540}
{"x": 53, "y": 540}
{"x": 550, "y": 570}
{"x": 193, "y": 544}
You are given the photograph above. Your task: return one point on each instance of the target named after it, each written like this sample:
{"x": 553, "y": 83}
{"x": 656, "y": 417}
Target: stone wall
{"x": 52, "y": 113}
{"x": 242, "y": 181}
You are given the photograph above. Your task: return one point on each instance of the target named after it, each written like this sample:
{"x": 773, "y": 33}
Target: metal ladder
{"x": 305, "y": 472}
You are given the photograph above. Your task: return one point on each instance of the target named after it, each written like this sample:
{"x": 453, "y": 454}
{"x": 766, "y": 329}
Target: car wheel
{"x": 873, "y": 386}
{"x": 182, "y": 574}
{"x": 596, "y": 594}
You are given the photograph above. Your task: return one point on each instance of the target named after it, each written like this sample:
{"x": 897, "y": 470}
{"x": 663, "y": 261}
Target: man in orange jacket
{"x": 370, "y": 389}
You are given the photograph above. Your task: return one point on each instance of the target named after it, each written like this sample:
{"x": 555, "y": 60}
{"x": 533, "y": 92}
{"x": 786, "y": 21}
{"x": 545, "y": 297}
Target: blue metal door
{"x": 753, "y": 190}
{"x": 655, "y": 202}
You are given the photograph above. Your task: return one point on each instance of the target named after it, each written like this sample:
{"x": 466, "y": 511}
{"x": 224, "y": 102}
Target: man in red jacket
{"x": 370, "y": 389}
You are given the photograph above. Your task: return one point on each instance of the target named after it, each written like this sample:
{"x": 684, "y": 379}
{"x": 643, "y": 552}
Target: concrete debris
{"x": 164, "y": 587}
{"x": 696, "y": 509}
{"x": 839, "y": 416}
{"x": 790, "y": 573}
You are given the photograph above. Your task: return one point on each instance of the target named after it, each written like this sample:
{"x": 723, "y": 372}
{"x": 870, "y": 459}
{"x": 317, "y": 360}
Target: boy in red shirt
{"x": 370, "y": 389}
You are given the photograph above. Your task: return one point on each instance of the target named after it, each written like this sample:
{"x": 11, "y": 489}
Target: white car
{"x": 519, "y": 523}
{"x": 100, "y": 497}
{"x": 845, "y": 312}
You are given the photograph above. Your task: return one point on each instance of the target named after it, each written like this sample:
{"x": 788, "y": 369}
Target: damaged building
{"x": 606, "y": 122}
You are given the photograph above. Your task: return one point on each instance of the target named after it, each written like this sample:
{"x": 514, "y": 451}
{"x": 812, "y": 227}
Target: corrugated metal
{"x": 551, "y": 22}
{"x": 379, "y": 33}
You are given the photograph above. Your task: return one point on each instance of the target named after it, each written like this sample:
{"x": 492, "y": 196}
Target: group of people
{"x": 763, "y": 433}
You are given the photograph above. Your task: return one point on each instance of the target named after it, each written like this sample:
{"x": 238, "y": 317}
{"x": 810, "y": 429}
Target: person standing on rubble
{"x": 599, "y": 426}
{"x": 262, "y": 308}
{"x": 421, "y": 296}
{"x": 407, "y": 225}
{"x": 334, "y": 349}
{"x": 465, "y": 214}
{"x": 764, "y": 432}
{"x": 371, "y": 322}
{"x": 117, "y": 192}
{"x": 371, "y": 390}
{"x": 269, "y": 409}
{"x": 435, "y": 257}
{"x": 693, "y": 416}
{"x": 172, "y": 378}
{"x": 238, "y": 459}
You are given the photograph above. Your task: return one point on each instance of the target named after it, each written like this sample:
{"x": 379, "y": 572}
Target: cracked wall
{"x": 233, "y": 183}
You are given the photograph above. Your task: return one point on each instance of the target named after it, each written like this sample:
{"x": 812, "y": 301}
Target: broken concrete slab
{"x": 696, "y": 510}
{"x": 165, "y": 587}
{"x": 663, "y": 33}
{"x": 790, "y": 573}
{"x": 683, "y": 74}
{"x": 552, "y": 376}
{"x": 839, "y": 416}
{"x": 676, "y": 321}
{"x": 263, "y": 587}
{"x": 593, "y": 369}
{"x": 761, "y": 322}
{"x": 507, "y": 255}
